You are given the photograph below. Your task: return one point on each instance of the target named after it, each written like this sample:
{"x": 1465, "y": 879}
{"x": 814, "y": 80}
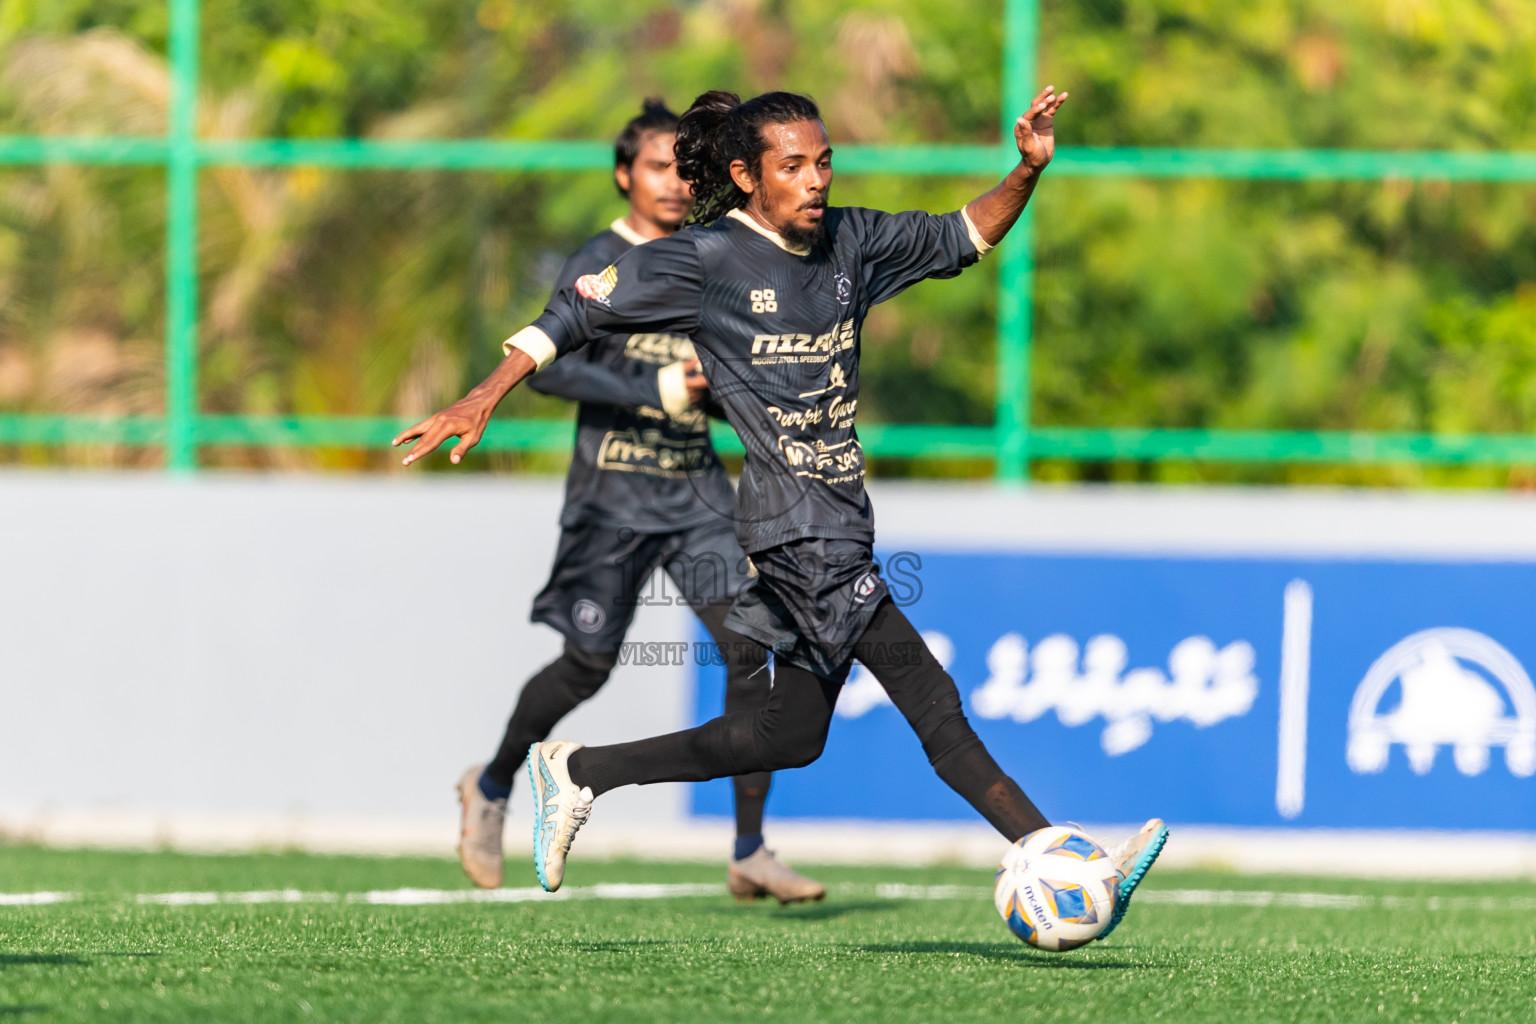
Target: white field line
{"x": 1256, "y": 898}
{"x": 619, "y": 891}
{"x": 32, "y": 899}
{"x": 616, "y": 891}
{"x": 189, "y": 899}
{"x": 920, "y": 892}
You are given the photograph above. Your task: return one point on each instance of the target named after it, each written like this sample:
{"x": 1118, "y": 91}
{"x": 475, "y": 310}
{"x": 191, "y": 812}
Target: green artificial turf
{"x": 1409, "y": 952}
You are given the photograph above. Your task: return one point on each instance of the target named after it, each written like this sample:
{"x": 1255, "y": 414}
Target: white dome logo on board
{"x": 1460, "y": 689}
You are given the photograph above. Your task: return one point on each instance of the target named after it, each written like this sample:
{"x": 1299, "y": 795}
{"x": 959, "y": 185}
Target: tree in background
{"x": 1391, "y": 306}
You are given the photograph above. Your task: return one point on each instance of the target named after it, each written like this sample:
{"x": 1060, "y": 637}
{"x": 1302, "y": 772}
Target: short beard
{"x": 805, "y": 238}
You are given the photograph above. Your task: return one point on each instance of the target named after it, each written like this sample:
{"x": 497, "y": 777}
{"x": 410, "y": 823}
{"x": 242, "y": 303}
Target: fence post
{"x": 181, "y": 241}
{"x": 1016, "y": 259}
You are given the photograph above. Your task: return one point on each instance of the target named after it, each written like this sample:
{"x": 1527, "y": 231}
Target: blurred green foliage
{"x": 1234, "y": 304}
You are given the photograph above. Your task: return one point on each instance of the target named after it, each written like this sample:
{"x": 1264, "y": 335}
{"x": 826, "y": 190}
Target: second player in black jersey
{"x": 643, "y": 458}
{"x": 773, "y": 284}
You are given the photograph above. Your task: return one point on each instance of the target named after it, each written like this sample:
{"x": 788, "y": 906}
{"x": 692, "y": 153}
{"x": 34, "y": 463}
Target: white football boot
{"x": 480, "y": 825}
{"x": 763, "y": 874}
{"x": 560, "y": 808}
{"x": 1133, "y": 859}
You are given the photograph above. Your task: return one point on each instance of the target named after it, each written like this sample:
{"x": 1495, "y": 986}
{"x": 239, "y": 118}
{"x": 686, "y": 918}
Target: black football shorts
{"x": 602, "y": 574}
{"x": 811, "y": 601}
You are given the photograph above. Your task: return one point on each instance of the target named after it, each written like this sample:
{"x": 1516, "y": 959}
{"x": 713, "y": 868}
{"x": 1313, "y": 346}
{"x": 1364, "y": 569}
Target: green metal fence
{"x": 1011, "y": 441}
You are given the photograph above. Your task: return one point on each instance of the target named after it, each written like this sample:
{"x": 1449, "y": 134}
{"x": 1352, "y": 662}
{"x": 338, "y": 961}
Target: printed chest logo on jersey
{"x": 764, "y": 300}
{"x": 799, "y": 347}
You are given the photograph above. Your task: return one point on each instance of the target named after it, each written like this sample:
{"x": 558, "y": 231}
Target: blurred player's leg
{"x": 591, "y": 599}
{"x": 481, "y": 819}
{"x": 552, "y": 693}
{"x": 761, "y": 873}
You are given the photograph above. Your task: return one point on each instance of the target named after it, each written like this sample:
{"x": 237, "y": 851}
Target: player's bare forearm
{"x": 466, "y": 418}
{"x": 995, "y": 212}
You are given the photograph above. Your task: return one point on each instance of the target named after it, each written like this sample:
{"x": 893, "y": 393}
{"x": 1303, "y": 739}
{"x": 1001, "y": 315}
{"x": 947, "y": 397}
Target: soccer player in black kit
{"x": 645, "y": 490}
{"x": 773, "y": 284}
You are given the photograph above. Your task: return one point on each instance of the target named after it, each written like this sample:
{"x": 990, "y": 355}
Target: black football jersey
{"x": 636, "y": 463}
{"x": 777, "y": 332}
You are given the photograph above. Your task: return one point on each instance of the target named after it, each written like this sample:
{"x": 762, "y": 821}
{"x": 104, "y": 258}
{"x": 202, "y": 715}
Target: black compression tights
{"x": 557, "y": 688}
{"x": 791, "y": 729}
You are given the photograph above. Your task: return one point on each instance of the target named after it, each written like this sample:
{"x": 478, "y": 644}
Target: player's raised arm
{"x": 995, "y": 212}
{"x": 651, "y": 288}
{"x": 901, "y": 249}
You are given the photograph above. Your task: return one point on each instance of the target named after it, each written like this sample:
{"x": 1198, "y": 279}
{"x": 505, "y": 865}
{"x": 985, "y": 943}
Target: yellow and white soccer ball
{"x": 1056, "y": 889}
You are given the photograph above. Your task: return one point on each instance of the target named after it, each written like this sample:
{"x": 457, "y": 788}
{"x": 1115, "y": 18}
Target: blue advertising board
{"x": 1223, "y": 691}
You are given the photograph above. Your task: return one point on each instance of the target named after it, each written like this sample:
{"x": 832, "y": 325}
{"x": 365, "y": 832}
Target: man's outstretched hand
{"x": 1035, "y": 130}
{"x": 466, "y": 418}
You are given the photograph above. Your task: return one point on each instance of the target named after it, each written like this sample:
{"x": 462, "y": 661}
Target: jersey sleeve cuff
{"x": 671, "y": 381}
{"x": 982, "y": 245}
{"x": 535, "y": 343}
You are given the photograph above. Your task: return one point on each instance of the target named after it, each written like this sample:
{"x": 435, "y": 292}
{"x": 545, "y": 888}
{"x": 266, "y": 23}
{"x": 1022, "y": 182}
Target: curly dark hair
{"x": 653, "y": 117}
{"x": 719, "y": 129}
